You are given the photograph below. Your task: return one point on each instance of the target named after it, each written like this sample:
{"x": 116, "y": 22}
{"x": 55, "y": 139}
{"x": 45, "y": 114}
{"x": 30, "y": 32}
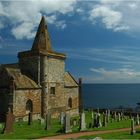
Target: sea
{"x": 110, "y": 95}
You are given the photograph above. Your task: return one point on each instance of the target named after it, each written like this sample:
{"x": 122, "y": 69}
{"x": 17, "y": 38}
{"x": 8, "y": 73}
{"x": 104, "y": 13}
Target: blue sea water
{"x": 110, "y": 95}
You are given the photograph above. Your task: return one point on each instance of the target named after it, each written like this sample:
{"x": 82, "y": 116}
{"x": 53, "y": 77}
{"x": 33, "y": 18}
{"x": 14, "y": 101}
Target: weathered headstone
{"x": 108, "y": 112}
{"x": 94, "y": 120}
{"x": 48, "y": 121}
{"x": 67, "y": 126}
{"x": 92, "y": 114}
{"x": 62, "y": 118}
{"x": 137, "y": 120}
{"x": 104, "y": 119}
{"x": 108, "y": 117}
{"x": 132, "y": 127}
{"x": 82, "y": 123}
{"x": 9, "y": 122}
{"x": 99, "y": 124}
{"x": 119, "y": 117}
{"x": 74, "y": 122}
{"x": 115, "y": 116}
{"x": 29, "y": 118}
{"x": 42, "y": 121}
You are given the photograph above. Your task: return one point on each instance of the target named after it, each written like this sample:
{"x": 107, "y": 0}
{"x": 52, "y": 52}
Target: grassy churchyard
{"x": 36, "y": 130}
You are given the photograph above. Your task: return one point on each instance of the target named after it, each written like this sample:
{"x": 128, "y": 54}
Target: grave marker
{"x": 9, "y": 122}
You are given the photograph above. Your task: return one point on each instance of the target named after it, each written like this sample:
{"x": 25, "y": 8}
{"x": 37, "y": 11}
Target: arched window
{"x": 70, "y": 103}
{"x": 29, "y": 106}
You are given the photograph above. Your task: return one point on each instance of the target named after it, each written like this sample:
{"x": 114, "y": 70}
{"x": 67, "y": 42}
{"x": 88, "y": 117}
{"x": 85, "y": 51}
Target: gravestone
{"x": 92, "y": 114}
{"x": 108, "y": 115}
{"x": 67, "y": 126}
{"x": 132, "y": 127}
{"x": 119, "y": 117}
{"x": 95, "y": 120}
{"x": 104, "y": 119}
{"x": 9, "y": 122}
{"x": 137, "y": 120}
{"x": 29, "y": 118}
{"x": 115, "y": 116}
{"x": 48, "y": 121}
{"x": 74, "y": 122}
{"x": 42, "y": 121}
{"x": 99, "y": 124}
{"x": 62, "y": 118}
{"x": 82, "y": 123}
{"x": 108, "y": 112}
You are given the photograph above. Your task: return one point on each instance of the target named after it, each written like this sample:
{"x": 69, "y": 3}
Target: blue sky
{"x": 101, "y": 38}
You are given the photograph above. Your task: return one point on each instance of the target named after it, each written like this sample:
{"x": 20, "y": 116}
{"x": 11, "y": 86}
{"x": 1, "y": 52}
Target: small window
{"x": 52, "y": 90}
{"x": 70, "y": 103}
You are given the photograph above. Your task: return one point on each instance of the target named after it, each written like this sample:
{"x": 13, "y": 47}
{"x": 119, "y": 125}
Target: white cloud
{"x": 24, "y": 30}
{"x": 133, "y": 6}
{"x": 53, "y": 20}
{"x": 117, "y": 76}
{"x": 111, "y": 18}
{"x": 25, "y": 15}
{"x": 79, "y": 10}
{"x": 118, "y": 15}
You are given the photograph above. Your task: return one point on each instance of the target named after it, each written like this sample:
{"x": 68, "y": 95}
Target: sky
{"x": 101, "y": 38}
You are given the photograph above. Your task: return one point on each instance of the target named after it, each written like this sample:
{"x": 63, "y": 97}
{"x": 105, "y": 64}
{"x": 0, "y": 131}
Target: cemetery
{"x": 40, "y": 99}
{"x": 89, "y": 120}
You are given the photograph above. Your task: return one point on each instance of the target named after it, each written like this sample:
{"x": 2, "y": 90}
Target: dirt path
{"x": 79, "y": 134}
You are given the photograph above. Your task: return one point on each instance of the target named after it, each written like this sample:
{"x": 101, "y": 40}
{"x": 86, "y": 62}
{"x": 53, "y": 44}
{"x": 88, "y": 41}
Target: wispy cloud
{"x": 110, "y": 55}
{"x": 122, "y": 75}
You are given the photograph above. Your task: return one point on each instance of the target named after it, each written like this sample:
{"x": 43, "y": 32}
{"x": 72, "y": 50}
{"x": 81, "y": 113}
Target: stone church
{"x": 38, "y": 83}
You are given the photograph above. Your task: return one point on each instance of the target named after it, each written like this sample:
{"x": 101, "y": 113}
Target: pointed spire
{"x": 42, "y": 39}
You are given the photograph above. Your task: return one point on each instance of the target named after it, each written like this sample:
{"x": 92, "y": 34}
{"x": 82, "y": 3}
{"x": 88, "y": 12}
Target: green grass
{"x": 110, "y": 126}
{"x": 37, "y": 130}
{"x": 115, "y": 135}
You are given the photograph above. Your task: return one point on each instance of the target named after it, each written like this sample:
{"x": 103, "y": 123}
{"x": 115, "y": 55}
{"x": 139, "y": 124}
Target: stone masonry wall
{"x": 52, "y": 69}
{"x": 20, "y": 99}
{"x": 72, "y": 93}
{"x": 59, "y": 102}
{"x": 29, "y": 67}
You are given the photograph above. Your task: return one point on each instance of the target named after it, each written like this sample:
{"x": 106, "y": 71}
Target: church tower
{"x": 43, "y": 65}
